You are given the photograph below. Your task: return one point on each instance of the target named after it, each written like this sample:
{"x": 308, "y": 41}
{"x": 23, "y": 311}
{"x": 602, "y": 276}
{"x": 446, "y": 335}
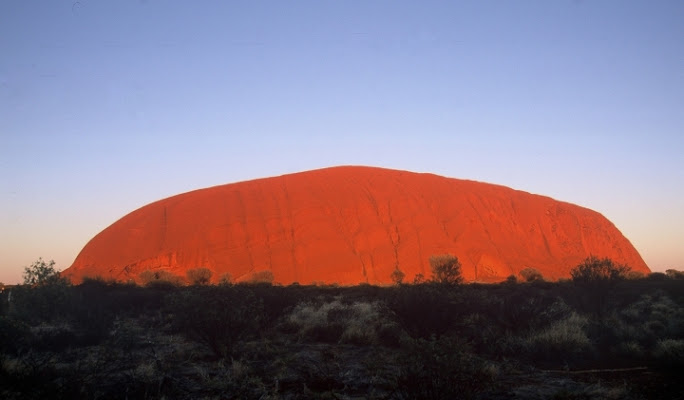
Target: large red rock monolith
{"x": 349, "y": 225}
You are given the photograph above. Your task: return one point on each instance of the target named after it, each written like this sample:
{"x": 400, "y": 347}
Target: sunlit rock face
{"x": 349, "y": 225}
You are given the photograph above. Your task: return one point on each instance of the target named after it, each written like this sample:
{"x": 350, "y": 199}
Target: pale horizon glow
{"x": 108, "y": 106}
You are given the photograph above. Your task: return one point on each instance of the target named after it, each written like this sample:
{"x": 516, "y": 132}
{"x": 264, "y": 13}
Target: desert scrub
{"x": 15, "y": 336}
{"x": 442, "y": 368}
{"x": 519, "y": 310}
{"x": 153, "y": 278}
{"x": 558, "y": 344}
{"x": 669, "y": 354}
{"x": 565, "y": 338}
{"x": 48, "y": 302}
{"x": 54, "y": 337}
{"x": 360, "y": 323}
{"x": 651, "y": 318}
{"x": 637, "y": 329}
{"x": 198, "y": 276}
{"x": 217, "y": 316}
{"x": 231, "y": 378}
{"x": 426, "y": 309}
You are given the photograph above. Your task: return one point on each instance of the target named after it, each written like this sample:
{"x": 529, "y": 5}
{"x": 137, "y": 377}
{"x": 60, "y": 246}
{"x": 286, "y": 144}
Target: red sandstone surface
{"x": 349, "y": 225}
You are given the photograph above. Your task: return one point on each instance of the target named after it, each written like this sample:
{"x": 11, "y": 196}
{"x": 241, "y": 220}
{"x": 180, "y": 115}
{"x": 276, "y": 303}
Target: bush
{"x": 446, "y": 269}
{"x": 94, "y": 309}
{"x": 634, "y": 275}
{"x": 441, "y": 369}
{"x": 44, "y": 295}
{"x": 47, "y": 302}
{"x": 669, "y": 353}
{"x": 225, "y": 279}
{"x": 531, "y": 275}
{"x": 159, "y": 278}
{"x": 595, "y": 279}
{"x": 564, "y": 339}
{"x": 523, "y": 307}
{"x": 424, "y": 310}
{"x": 14, "y": 336}
{"x": 595, "y": 270}
{"x": 42, "y": 273}
{"x": 359, "y": 323}
{"x": 657, "y": 276}
{"x": 54, "y": 338}
{"x": 649, "y": 319}
{"x": 258, "y": 277}
{"x": 218, "y": 316}
{"x": 199, "y": 276}
{"x": 397, "y": 276}
{"x": 4, "y": 300}
{"x": 674, "y": 274}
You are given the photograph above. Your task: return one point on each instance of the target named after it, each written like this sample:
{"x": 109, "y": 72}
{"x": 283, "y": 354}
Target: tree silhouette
{"x": 397, "y": 276}
{"x": 595, "y": 270}
{"x": 446, "y": 269}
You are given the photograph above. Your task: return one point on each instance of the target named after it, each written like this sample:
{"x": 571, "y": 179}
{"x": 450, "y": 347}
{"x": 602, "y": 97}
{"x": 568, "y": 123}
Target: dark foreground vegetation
{"x": 590, "y": 338}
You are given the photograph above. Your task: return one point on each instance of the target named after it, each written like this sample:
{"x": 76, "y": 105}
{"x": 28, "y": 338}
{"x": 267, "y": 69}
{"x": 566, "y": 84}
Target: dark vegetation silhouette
{"x": 397, "y": 276}
{"x": 42, "y": 273}
{"x": 199, "y": 276}
{"x": 594, "y": 270}
{"x": 674, "y": 274}
{"x": 265, "y": 277}
{"x": 446, "y": 269}
{"x": 598, "y": 276}
{"x": 160, "y": 278}
{"x": 439, "y": 339}
{"x": 531, "y": 275}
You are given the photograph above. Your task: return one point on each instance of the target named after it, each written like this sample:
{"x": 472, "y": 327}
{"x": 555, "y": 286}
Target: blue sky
{"x": 107, "y": 106}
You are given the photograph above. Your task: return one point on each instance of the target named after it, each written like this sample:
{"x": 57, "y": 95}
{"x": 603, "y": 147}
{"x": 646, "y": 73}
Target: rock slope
{"x": 349, "y": 225}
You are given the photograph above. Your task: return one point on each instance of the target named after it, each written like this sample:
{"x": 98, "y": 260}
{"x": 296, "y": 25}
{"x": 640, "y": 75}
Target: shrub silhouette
{"x": 44, "y": 295}
{"x": 218, "y": 316}
{"x": 199, "y": 276}
{"x": 159, "y": 278}
{"x": 263, "y": 277}
{"x": 42, "y": 273}
{"x": 397, "y": 276}
{"x": 669, "y": 354}
{"x": 441, "y": 369}
{"x": 595, "y": 279}
{"x": 358, "y": 323}
{"x": 634, "y": 275}
{"x": 424, "y": 310}
{"x": 674, "y": 274}
{"x": 594, "y": 269}
{"x": 563, "y": 339}
{"x": 93, "y": 309}
{"x": 657, "y": 276}
{"x": 225, "y": 279}
{"x": 446, "y": 269}
{"x": 531, "y": 275}
{"x": 14, "y": 336}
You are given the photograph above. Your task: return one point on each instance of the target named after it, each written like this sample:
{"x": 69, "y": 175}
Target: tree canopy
{"x": 594, "y": 269}
{"x": 41, "y": 273}
{"x": 446, "y": 269}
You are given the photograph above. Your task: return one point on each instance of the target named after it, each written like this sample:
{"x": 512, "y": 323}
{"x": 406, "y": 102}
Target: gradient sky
{"x": 106, "y": 106}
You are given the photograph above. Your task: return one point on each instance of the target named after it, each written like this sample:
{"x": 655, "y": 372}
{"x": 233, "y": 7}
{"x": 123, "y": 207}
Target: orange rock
{"x": 349, "y": 225}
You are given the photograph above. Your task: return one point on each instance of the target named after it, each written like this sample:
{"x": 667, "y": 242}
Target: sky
{"x": 106, "y": 106}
